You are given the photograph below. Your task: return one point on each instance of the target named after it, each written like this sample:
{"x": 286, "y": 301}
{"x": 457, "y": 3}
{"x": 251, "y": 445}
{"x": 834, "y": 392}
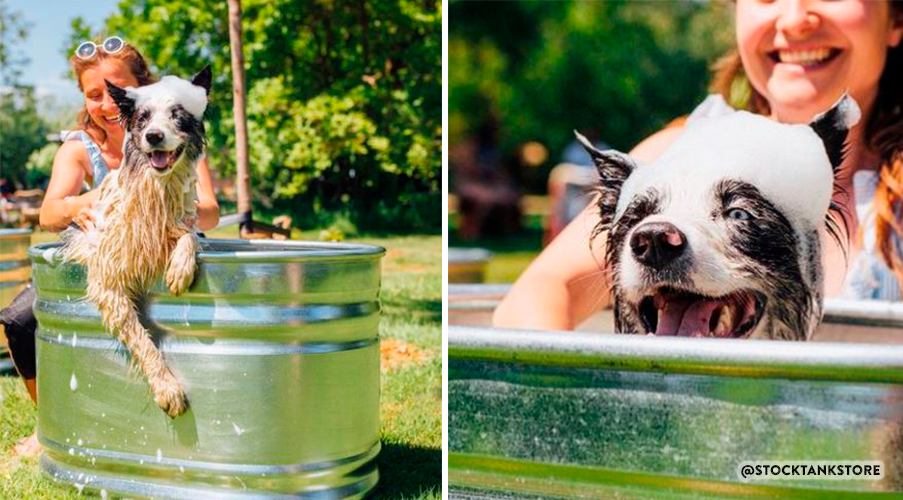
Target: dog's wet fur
{"x": 146, "y": 219}
{"x": 708, "y": 241}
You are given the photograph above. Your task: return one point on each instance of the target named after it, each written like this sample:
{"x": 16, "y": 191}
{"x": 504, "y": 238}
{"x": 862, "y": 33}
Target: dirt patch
{"x": 395, "y": 353}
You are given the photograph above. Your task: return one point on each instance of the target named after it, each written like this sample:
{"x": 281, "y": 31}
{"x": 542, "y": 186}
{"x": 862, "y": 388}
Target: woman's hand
{"x": 85, "y": 218}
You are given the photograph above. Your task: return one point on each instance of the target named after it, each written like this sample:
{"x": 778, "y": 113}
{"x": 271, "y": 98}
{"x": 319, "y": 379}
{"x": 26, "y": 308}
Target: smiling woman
{"x": 801, "y": 55}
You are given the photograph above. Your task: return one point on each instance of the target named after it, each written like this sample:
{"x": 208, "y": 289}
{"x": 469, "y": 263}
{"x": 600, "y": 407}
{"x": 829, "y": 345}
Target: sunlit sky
{"x": 49, "y": 20}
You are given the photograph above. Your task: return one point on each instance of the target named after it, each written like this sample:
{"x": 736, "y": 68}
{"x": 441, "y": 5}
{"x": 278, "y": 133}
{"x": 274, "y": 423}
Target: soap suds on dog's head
{"x": 788, "y": 163}
{"x": 172, "y": 90}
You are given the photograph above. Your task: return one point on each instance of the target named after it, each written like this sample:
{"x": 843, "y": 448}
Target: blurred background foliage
{"x": 22, "y": 130}
{"x": 344, "y": 101}
{"x": 540, "y": 70}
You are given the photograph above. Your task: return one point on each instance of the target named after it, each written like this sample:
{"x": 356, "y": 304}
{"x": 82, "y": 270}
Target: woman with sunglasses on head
{"x": 84, "y": 158}
{"x": 794, "y": 58}
{"x": 87, "y": 154}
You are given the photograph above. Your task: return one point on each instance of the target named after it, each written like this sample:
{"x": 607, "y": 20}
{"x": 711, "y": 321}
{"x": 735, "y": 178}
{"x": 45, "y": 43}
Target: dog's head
{"x": 719, "y": 237}
{"x": 164, "y": 121}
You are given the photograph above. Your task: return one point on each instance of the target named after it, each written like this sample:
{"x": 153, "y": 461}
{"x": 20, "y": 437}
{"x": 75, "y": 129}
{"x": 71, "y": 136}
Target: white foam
{"x": 172, "y": 90}
{"x": 787, "y": 163}
{"x": 49, "y": 254}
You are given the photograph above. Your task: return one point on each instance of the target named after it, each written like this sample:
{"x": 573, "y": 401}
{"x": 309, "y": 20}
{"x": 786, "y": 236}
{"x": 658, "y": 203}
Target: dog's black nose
{"x": 154, "y": 137}
{"x": 657, "y": 244}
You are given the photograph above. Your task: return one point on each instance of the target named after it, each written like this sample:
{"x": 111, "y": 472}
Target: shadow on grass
{"x": 414, "y": 310}
{"x": 408, "y": 472}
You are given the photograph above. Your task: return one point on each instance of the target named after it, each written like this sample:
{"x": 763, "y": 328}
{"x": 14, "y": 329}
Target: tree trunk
{"x": 242, "y": 178}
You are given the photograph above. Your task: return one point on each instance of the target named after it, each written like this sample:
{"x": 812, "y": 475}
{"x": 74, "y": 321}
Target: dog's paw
{"x": 182, "y": 265}
{"x": 169, "y": 395}
{"x": 179, "y": 276}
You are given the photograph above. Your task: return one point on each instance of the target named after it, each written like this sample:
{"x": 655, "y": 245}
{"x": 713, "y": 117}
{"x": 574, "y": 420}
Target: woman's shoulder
{"x": 72, "y": 150}
{"x": 653, "y": 146}
{"x": 73, "y": 154}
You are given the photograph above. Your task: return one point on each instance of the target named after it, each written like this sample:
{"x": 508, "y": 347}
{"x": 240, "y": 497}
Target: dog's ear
{"x": 834, "y": 125}
{"x": 121, "y": 97}
{"x": 614, "y": 168}
{"x": 203, "y": 79}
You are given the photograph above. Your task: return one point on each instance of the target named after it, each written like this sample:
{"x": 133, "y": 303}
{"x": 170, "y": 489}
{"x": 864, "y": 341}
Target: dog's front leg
{"x": 182, "y": 263}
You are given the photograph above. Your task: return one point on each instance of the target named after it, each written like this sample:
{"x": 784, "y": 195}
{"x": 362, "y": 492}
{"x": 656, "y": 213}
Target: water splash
{"x": 238, "y": 430}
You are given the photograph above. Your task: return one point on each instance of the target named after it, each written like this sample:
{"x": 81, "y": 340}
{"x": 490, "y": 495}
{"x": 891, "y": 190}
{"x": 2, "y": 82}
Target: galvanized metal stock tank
{"x": 14, "y": 272}
{"x": 553, "y": 415}
{"x": 277, "y": 345}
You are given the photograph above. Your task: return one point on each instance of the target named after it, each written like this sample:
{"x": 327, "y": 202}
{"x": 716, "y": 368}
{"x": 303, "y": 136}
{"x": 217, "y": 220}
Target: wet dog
{"x": 719, "y": 237}
{"x": 146, "y": 218}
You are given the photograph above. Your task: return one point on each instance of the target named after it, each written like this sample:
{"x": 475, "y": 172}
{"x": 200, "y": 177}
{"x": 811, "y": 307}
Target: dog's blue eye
{"x": 738, "y": 214}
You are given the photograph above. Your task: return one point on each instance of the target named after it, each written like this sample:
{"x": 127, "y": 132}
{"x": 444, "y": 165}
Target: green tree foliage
{"x": 21, "y": 129}
{"x": 40, "y": 164}
{"x": 344, "y": 99}
{"x": 543, "y": 69}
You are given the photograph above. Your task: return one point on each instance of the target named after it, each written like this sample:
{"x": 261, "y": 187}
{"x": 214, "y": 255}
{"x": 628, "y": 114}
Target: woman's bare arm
{"x": 566, "y": 284}
{"x": 208, "y": 208}
{"x": 61, "y": 201}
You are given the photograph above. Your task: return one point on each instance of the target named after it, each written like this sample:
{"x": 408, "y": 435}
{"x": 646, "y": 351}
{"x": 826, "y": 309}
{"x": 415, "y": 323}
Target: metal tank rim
{"x": 14, "y": 232}
{"x": 724, "y": 357}
{"x": 272, "y": 251}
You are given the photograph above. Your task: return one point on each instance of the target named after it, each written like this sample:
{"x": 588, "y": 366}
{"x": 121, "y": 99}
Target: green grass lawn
{"x": 411, "y": 395}
{"x": 511, "y": 254}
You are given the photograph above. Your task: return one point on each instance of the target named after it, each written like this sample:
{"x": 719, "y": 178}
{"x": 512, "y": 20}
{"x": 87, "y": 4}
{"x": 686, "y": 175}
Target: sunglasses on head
{"x": 88, "y": 49}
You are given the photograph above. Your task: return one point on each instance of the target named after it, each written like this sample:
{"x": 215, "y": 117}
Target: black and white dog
{"x": 146, "y": 219}
{"x": 719, "y": 237}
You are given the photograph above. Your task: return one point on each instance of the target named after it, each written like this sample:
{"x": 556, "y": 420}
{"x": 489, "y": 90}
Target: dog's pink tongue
{"x": 684, "y": 317}
{"x": 696, "y": 319}
{"x": 159, "y": 159}
{"x": 671, "y": 315}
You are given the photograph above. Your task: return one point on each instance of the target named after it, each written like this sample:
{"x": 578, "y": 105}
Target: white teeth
{"x": 804, "y": 57}
{"x": 725, "y": 321}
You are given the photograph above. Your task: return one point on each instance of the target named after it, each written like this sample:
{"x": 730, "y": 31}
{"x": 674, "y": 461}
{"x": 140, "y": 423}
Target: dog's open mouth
{"x": 670, "y": 311}
{"x": 162, "y": 160}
